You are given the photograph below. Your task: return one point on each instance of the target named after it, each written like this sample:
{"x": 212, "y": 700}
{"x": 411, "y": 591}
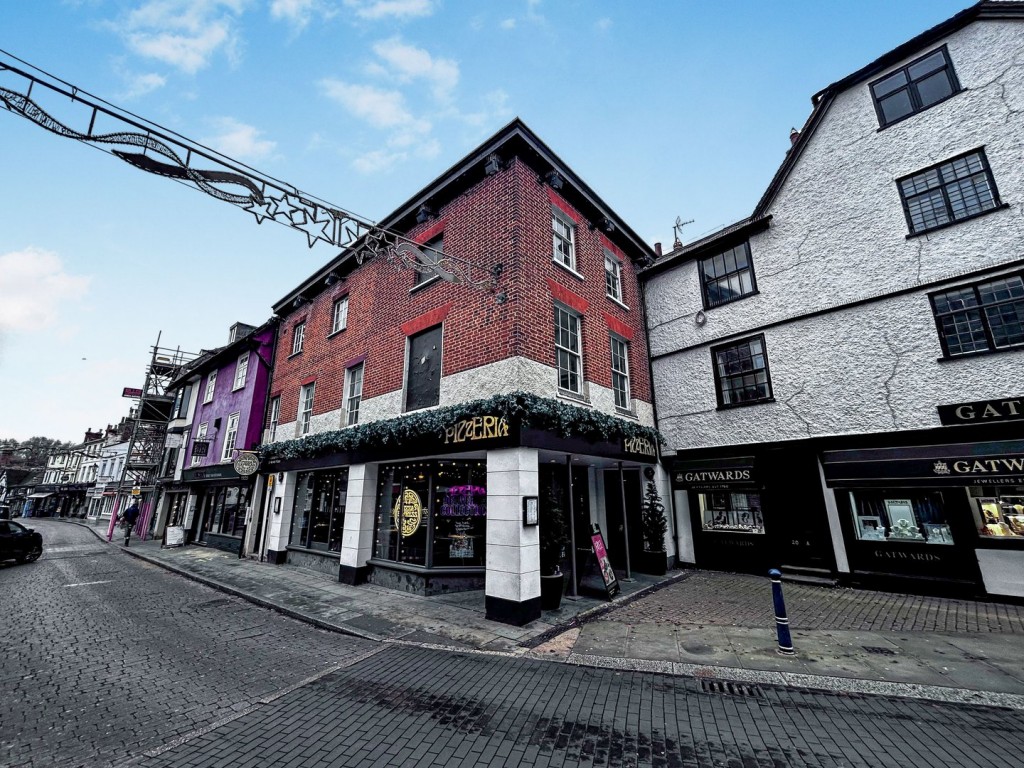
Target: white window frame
{"x": 623, "y": 373}
{"x": 339, "y": 315}
{"x": 353, "y": 393}
{"x": 230, "y": 438}
{"x": 306, "y": 394}
{"x": 275, "y": 415}
{"x": 241, "y": 371}
{"x": 298, "y": 337}
{"x": 211, "y": 385}
{"x": 576, "y": 329}
{"x": 563, "y": 231}
{"x": 612, "y": 276}
{"x": 200, "y": 436}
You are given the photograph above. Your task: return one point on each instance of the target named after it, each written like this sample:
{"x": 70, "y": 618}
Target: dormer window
{"x": 912, "y": 89}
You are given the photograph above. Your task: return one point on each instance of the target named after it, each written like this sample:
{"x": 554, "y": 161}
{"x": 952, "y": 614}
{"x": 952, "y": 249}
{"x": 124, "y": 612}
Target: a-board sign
{"x": 174, "y": 536}
{"x": 604, "y": 565}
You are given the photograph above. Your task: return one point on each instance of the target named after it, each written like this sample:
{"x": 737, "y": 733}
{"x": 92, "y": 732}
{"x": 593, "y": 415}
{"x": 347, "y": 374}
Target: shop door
{"x": 616, "y": 534}
{"x": 796, "y": 522}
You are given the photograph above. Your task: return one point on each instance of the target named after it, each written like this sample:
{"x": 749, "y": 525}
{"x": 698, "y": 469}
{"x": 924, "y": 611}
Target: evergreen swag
{"x": 516, "y": 407}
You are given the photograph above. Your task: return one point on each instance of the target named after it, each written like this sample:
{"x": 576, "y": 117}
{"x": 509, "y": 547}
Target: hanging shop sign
{"x": 408, "y": 512}
{"x": 200, "y": 448}
{"x": 476, "y": 429}
{"x": 715, "y": 474}
{"x": 996, "y": 463}
{"x": 131, "y": 392}
{"x": 247, "y": 463}
{"x": 982, "y": 411}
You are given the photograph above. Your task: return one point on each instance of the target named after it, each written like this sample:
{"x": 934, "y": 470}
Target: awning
{"x": 38, "y": 495}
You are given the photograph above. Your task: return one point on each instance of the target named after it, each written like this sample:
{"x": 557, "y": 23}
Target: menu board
{"x": 604, "y": 565}
{"x": 174, "y": 536}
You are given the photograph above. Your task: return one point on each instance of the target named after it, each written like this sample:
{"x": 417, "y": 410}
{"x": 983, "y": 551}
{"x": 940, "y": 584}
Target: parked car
{"x": 19, "y": 543}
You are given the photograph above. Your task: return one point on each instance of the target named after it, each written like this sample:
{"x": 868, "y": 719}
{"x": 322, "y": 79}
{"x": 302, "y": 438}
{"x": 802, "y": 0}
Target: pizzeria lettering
{"x": 477, "y": 428}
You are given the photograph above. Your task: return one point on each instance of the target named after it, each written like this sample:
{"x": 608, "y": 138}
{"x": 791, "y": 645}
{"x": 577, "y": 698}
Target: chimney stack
{"x": 657, "y": 250}
{"x": 794, "y": 134}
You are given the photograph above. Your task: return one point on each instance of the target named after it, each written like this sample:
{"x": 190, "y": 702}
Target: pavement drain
{"x": 729, "y": 688}
{"x": 878, "y": 650}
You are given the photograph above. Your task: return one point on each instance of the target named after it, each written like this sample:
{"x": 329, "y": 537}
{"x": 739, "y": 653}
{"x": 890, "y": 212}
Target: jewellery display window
{"x": 900, "y": 515}
{"x": 730, "y": 511}
{"x": 998, "y": 512}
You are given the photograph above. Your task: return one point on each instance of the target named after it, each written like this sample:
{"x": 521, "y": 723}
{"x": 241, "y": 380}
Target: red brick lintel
{"x": 426, "y": 320}
{"x": 618, "y": 327}
{"x": 567, "y": 297}
{"x": 564, "y": 207}
{"x": 430, "y": 232}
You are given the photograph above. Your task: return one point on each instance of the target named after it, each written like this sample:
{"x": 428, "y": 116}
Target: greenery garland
{"x": 524, "y": 408}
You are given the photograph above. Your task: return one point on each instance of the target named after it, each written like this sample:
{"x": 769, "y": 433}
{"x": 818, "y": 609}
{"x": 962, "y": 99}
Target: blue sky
{"x": 664, "y": 108}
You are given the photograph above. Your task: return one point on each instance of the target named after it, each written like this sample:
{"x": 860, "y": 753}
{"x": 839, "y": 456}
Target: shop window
{"x": 433, "y": 514}
{"x": 741, "y": 373}
{"x": 999, "y": 512}
{"x": 951, "y": 191}
{"x": 982, "y": 317}
{"x": 423, "y": 370}
{"x": 727, "y": 276}
{"x": 318, "y": 515}
{"x": 912, "y": 89}
{"x": 731, "y": 511}
{"x": 899, "y": 516}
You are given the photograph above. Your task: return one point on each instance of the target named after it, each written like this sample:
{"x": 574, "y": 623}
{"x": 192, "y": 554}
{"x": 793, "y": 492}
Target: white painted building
{"x": 839, "y": 375}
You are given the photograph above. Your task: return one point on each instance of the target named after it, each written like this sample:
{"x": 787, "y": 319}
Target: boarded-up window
{"x": 423, "y": 374}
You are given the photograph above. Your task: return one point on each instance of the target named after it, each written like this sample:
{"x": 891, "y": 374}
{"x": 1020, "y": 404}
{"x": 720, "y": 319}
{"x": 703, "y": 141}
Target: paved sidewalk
{"x": 694, "y": 623}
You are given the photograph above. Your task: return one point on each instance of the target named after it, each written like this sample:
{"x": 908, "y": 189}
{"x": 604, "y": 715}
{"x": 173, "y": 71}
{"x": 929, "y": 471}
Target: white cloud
{"x": 603, "y": 24}
{"x": 182, "y": 33}
{"x": 299, "y": 13}
{"x": 377, "y": 161}
{"x": 508, "y": 24}
{"x": 399, "y": 9}
{"x": 236, "y": 139}
{"x": 378, "y": 107}
{"x": 409, "y": 63}
{"x": 34, "y": 287}
{"x": 140, "y": 85}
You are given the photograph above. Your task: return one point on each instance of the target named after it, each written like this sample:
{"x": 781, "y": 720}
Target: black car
{"x": 19, "y": 543}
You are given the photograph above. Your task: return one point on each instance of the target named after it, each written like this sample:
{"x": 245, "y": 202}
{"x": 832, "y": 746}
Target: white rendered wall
{"x": 279, "y": 525}
{"x": 360, "y": 511}
{"x": 838, "y": 236}
{"x": 513, "y": 551}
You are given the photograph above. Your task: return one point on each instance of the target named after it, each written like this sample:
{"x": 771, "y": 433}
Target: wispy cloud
{"x": 139, "y": 85}
{"x": 184, "y": 34}
{"x": 380, "y": 108}
{"x": 398, "y": 9}
{"x": 408, "y": 63}
{"x": 35, "y": 286}
{"x": 299, "y": 13}
{"x": 236, "y": 139}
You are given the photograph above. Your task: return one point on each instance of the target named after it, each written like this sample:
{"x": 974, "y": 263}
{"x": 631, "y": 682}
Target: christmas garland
{"x": 524, "y": 408}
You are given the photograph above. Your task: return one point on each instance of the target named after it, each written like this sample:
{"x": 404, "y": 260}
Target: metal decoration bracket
{"x": 154, "y": 149}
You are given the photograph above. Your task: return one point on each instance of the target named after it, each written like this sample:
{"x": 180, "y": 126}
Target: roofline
{"x": 516, "y": 130}
{"x": 219, "y": 355}
{"x": 822, "y": 100}
{"x": 713, "y": 243}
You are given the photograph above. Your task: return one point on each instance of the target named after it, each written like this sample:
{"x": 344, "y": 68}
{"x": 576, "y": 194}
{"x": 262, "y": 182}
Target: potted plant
{"x": 554, "y": 535}
{"x": 654, "y": 526}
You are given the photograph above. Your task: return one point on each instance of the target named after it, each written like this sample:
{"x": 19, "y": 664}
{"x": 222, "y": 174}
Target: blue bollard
{"x": 781, "y": 620}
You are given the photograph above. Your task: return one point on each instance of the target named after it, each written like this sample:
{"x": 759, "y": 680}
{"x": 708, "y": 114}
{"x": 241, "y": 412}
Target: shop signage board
{"x": 200, "y": 448}
{"x": 604, "y": 565}
{"x": 247, "y": 464}
{"x": 175, "y": 536}
{"x": 131, "y": 392}
{"x": 734, "y": 472}
{"x": 996, "y": 463}
{"x": 982, "y": 411}
{"x": 218, "y": 472}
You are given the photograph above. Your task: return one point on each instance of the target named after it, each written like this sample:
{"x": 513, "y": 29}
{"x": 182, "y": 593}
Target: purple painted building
{"x": 222, "y": 398}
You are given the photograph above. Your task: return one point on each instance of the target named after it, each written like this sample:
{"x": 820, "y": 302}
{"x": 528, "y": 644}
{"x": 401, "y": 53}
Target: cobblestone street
{"x": 109, "y": 661}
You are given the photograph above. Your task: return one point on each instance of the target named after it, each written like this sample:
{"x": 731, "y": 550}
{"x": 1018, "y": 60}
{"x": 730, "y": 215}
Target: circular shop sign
{"x": 247, "y": 464}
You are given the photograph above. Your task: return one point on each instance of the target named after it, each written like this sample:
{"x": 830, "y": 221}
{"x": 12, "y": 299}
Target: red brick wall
{"x": 504, "y": 219}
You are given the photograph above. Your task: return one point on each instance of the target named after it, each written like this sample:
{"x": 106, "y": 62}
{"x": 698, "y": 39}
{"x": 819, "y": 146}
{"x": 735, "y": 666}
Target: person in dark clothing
{"x": 129, "y": 516}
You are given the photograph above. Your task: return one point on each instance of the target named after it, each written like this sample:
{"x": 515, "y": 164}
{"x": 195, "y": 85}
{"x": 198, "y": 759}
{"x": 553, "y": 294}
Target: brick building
{"x": 412, "y": 411}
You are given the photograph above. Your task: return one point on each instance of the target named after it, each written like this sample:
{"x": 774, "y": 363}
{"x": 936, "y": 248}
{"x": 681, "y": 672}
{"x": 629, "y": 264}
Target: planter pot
{"x": 653, "y": 563}
{"x": 551, "y": 588}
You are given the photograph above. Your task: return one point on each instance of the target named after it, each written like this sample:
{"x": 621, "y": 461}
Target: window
{"x": 914, "y": 88}
{"x": 730, "y": 511}
{"x": 211, "y": 384}
{"x": 903, "y": 515}
{"x": 998, "y": 511}
{"x": 298, "y": 336}
{"x": 199, "y": 446}
{"x": 982, "y": 317}
{"x": 620, "y": 373}
{"x": 741, "y": 373}
{"x": 955, "y": 190}
{"x": 431, "y": 250}
{"x": 305, "y": 407}
{"x": 275, "y": 415}
{"x": 353, "y": 393}
{"x": 318, "y": 517}
{"x": 181, "y": 402}
{"x": 423, "y": 371}
{"x": 612, "y": 276}
{"x": 727, "y": 276}
{"x": 241, "y": 370}
{"x": 563, "y": 236}
{"x": 339, "y": 316}
{"x": 230, "y": 438}
{"x": 568, "y": 352}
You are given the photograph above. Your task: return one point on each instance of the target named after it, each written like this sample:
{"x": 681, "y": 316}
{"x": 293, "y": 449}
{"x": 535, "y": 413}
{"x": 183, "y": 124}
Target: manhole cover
{"x": 729, "y": 688}
{"x": 880, "y": 651}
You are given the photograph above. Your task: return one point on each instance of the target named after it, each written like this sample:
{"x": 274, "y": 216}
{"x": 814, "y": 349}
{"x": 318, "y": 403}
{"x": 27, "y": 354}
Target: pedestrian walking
{"x": 128, "y": 520}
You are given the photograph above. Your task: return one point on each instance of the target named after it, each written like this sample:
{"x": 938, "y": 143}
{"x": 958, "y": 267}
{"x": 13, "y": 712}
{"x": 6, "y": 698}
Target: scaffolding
{"x": 149, "y": 419}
